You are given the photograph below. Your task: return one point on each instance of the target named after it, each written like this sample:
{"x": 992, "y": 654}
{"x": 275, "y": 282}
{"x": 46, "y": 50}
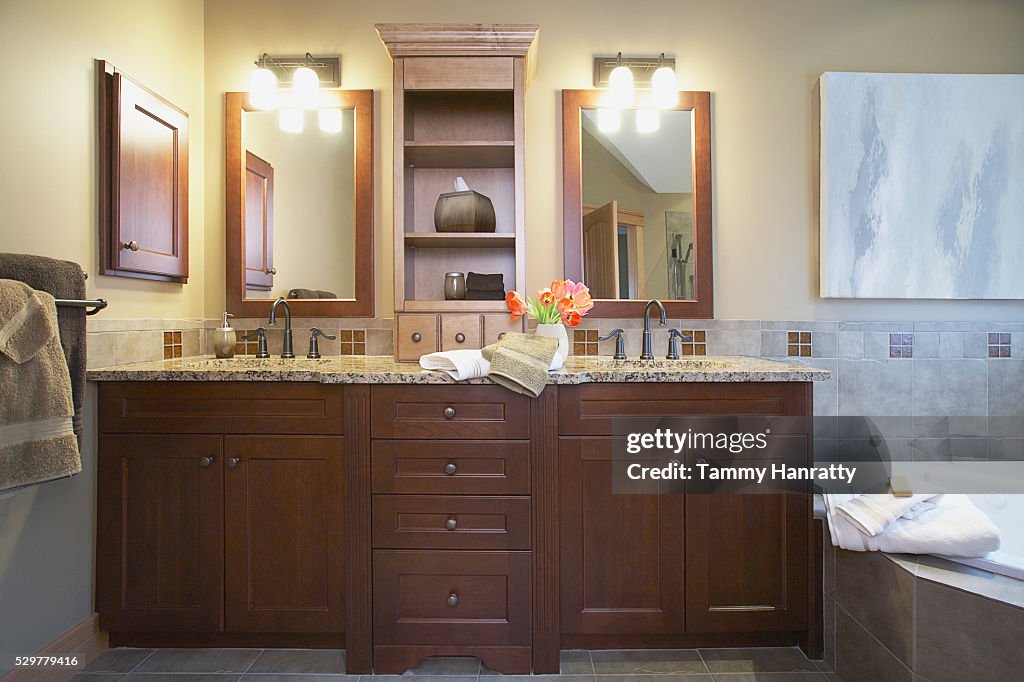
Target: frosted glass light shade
{"x": 609, "y": 120}
{"x": 664, "y": 89}
{"x": 330, "y": 120}
{"x": 647, "y": 120}
{"x": 620, "y": 87}
{"x": 263, "y": 89}
{"x": 305, "y": 88}
{"x": 290, "y": 120}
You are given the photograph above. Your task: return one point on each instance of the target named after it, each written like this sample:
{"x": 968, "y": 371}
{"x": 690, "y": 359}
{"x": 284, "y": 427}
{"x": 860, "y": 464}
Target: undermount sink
{"x": 676, "y": 365}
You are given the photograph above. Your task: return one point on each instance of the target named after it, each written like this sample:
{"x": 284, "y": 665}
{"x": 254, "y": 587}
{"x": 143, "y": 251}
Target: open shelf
{"x": 461, "y": 154}
{"x": 460, "y": 240}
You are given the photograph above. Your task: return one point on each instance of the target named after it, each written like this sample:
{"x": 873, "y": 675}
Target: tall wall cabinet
{"x": 459, "y": 94}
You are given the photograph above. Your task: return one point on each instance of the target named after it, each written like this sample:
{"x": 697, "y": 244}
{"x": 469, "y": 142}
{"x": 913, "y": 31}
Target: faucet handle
{"x": 620, "y": 343}
{"x": 314, "y": 345}
{"x": 674, "y": 335}
{"x": 260, "y": 335}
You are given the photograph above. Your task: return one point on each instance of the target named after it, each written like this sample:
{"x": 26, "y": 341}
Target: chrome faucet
{"x": 287, "y": 351}
{"x": 646, "y": 353}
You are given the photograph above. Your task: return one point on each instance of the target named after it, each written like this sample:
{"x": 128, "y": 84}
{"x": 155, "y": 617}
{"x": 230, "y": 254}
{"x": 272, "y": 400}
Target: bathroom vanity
{"x": 363, "y": 503}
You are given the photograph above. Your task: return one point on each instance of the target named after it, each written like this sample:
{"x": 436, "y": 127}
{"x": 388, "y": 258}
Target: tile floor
{"x": 782, "y": 664}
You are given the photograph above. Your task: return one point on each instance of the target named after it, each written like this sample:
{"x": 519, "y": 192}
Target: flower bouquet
{"x": 563, "y": 304}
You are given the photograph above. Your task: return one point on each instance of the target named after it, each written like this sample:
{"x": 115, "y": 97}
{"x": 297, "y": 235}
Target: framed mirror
{"x": 300, "y": 208}
{"x": 637, "y": 205}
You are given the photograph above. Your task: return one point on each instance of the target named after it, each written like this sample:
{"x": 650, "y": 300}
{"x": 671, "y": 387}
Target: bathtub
{"x": 1007, "y": 512}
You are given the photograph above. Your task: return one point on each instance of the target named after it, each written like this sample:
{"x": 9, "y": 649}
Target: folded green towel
{"x": 520, "y": 362}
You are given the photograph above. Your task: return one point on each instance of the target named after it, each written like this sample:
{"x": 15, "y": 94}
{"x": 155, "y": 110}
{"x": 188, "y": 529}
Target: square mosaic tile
{"x": 998, "y": 344}
{"x": 243, "y": 347}
{"x": 694, "y": 342}
{"x": 798, "y": 344}
{"x": 901, "y": 345}
{"x": 172, "y": 344}
{"x": 584, "y": 341}
{"x": 352, "y": 341}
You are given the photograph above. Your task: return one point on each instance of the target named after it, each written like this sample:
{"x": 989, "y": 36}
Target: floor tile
{"x": 297, "y": 677}
{"x": 199, "y": 661}
{"x": 660, "y": 677}
{"x": 99, "y": 677}
{"x": 121, "y": 660}
{"x": 307, "y": 661}
{"x": 575, "y": 662}
{"x": 182, "y": 677}
{"x": 757, "y": 660}
{"x": 448, "y": 666}
{"x": 770, "y": 677}
{"x": 419, "y": 678}
{"x": 646, "y": 662}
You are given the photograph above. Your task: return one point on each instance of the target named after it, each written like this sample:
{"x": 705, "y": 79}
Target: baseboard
{"x": 85, "y": 641}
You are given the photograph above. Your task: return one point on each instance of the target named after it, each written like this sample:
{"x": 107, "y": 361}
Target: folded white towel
{"x": 872, "y": 513}
{"x": 458, "y": 364}
{"x": 955, "y": 527}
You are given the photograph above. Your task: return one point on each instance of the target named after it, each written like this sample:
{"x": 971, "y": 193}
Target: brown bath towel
{"x": 37, "y": 440}
{"x": 520, "y": 362}
{"x": 62, "y": 279}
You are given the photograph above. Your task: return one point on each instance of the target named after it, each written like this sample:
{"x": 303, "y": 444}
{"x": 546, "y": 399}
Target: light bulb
{"x": 290, "y": 120}
{"x": 306, "y": 87}
{"x": 609, "y": 120}
{"x": 330, "y": 120}
{"x": 647, "y": 120}
{"x": 620, "y": 87}
{"x": 263, "y": 89}
{"x": 664, "y": 90}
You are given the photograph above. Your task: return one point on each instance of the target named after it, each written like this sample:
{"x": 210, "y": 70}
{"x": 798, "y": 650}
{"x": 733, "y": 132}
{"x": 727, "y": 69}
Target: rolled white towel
{"x": 871, "y": 514}
{"x": 458, "y": 364}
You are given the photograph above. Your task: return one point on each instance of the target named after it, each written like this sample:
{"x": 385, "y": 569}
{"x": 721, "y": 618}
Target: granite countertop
{"x": 378, "y": 369}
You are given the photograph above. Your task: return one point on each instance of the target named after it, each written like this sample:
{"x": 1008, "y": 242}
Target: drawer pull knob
{"x": 460, "y": 337}
{"x": 450, "y": 469}
{"x": 205, "y": 462}
{"x": 451, "y": 523}
{"x": 130, "y": 246}
{"x": 417, "y": 337}
{"x": 449, "y": 413}
{"x": 702, "y": 460}
{"x": 453, "y": 600}
{"x": 501, "y": 336}
{"x": 233, "y": 462}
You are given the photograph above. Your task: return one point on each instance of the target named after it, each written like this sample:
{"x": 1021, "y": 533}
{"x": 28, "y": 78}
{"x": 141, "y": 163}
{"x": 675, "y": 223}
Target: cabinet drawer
{"x": 216, "y": 407}
{"x": 463, "y": 598}
{"x": 415, "y": 335}
{"x": 448, "y": 412}
{"x": 460, "y": 331}
{"x": 450, "y": 522}
{"x": 495, "y": 327}
{"x": 451, "y": 467}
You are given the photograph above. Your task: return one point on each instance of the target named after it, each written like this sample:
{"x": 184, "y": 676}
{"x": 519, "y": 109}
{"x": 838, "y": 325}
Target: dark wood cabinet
{"x": 143, "y": 181}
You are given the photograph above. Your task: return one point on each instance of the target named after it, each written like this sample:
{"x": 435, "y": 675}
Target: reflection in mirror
{"x": 637, "y": 191}
{"x": 299, "y": 209}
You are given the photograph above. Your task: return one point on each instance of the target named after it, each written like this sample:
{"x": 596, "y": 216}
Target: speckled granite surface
{"x": 384, "y": 370}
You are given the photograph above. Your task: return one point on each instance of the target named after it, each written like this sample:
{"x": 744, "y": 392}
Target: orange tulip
{"x": 583, "y": 301}
{"x": 565, "y": 303}
{"x": 560, "y": 288}
{"x": 547, "y": 299}
{"x": 571, "y": 318}
{"x": 515, "y": 304}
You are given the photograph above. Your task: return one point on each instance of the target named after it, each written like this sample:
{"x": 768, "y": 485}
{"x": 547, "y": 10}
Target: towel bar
{"x": 96, "y": 305}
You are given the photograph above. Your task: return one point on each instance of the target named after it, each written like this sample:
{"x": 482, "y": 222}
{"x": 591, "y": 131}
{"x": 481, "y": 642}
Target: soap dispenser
{"x": 224, "y": 339}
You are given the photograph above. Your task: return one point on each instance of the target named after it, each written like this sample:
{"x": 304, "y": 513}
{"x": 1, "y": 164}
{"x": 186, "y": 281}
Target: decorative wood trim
{"x": 519, "y": 71}
{"x": 572, "y": 204}
{"x": 398, "y": 184}
{"x": 359, "y": 590}
{"x": 85, "y": 640}
{"x": 544, "y": 471}
{"x": 363, "y": 304}
{"x": 230, "y": 640}
{"x": 458, "y": 40}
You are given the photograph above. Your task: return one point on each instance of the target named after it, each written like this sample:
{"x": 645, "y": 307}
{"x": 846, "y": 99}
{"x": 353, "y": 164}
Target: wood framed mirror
{"x": 300, "y": 208}
{"x": 636, "y": 206}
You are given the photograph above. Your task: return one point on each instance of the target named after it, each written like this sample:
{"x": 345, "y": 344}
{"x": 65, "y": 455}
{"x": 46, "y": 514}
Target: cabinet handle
{"x": 449, "y": 469}
{"x": 449, "y": 413}
{"x": 131, "y": 246}
{"x": 453, "y": 600}
{"x": 451, "y": 523}
{"x": 417, "y": 337}
{"x": 205, "y": 462}
{"x": 501, "y": 336}
{"x": 460, "y": 337}
{"x": 232, "y": 462}
{"x": 271, "y": 271}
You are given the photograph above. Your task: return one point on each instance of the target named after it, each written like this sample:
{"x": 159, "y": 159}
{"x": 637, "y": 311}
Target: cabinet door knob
{"x": 131, "y": 246}
{"x": 702, "y": 460}
{"x": 453, "y": 600}
{"x": 451, "y": 523}
{"x": 205, "y": 462}
{"x": 417, "y": 337}
{"x": 449, "y": 413}
{"x": 460, "y": 337}
{"x": 232, "y": 462}
{"x": 271, "y": 271}
{"x": 449, "y": 469}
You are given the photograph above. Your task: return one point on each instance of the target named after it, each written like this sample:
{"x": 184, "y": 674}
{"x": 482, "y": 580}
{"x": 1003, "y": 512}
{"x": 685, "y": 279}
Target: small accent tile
{"x": 999, "y": 345}
{"x": 693, "y": 342}
{"x": 243, "y": 347}
{"x": 584, "y": 342}
{"x": 172, "y": 344}
{"x": 352, "y": 341}
{"x": 901, "y": 345}
{"x": 798, "y": 344}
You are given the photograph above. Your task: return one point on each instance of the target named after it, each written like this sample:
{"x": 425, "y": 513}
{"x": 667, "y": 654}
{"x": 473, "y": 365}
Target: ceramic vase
{"x": 556, "y": 331}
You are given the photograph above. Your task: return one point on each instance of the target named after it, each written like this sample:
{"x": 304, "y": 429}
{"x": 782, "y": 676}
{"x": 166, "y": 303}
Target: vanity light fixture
{"x": 270, "y": 81}
{"x": 664, "y": 88}
{"x": 620, "y": 86}
{"x": 305, "y": 87}
{"x": 263, "y": 86}
{"x": 622, "y": 76}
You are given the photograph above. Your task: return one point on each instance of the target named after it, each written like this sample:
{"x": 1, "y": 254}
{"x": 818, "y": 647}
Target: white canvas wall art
{"x": 922, "y": 186}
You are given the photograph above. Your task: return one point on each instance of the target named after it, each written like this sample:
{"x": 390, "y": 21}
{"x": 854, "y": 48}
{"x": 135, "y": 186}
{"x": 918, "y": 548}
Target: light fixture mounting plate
{"x": 643, "y": 68}
{"x": 327, "y": 69}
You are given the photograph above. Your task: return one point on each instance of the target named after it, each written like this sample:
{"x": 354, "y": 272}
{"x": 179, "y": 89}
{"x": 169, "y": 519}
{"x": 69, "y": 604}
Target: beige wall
{"x": 48, "y": 130}
{"x": 759, "y": 59}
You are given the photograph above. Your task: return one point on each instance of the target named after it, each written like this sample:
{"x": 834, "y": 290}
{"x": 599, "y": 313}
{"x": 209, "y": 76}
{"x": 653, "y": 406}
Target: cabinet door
{"x": 746, "y": 562}
{"x": 621, "y": 555}
{"x": 160, "y": 539}
{"x": 259, "y": 223}
{"x": 285, "y": 540}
